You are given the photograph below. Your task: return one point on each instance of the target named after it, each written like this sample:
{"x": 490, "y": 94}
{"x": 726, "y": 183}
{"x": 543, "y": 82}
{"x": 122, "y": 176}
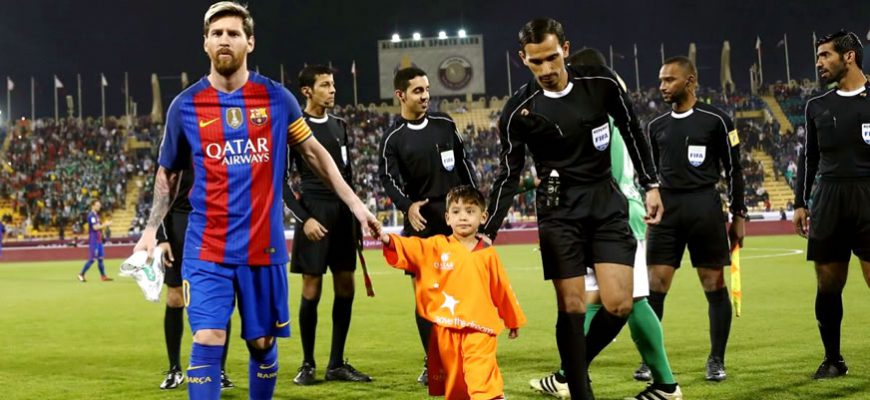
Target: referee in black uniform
{"x": 326, "y": 230}
{"x": 170, "y": 238}
{"x": 421, "y": 159}
{"x": 837, "y": 150}
{"x": 562, "y": 117}
{"x": 692, "y": 145}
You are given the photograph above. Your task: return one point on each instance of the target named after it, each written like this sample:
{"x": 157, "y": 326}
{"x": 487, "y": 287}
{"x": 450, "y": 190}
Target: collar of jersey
{"x": 419, "y": 126}
{"x": 852, "y": 93}
{"x": 682, "y": 115}
{"x": 319, "y": 120}
{"x": 564, "y": 92}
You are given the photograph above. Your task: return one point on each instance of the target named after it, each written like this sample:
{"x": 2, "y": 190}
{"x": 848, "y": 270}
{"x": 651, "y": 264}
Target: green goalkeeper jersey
{"x": 623, "y": 174}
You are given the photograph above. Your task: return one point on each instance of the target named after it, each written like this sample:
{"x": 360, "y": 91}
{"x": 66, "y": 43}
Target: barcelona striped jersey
{"x": 237, "y": 143}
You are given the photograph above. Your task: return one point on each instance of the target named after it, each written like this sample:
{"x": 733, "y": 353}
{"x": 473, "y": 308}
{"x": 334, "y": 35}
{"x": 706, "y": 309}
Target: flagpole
{"x": 9, "y": 100}
{"x": 636, "y": 69}
{"x": 32, "y": 99}
{"x": 282, "y": 73}
{"x": 787, "y": 65}
{"x": 507, "y": 60}
{"x": 355, "y": 98}
{"x": 611, "y": 58}
{"x": 663, "y": 53}
{"x": 127, "y": 97}
{"x": 79, "y": 82}
{"x": 814, "y": 59}
{"x": 760, "y": 68}
{"x": 103, "y": 97}
{"x": 56, "y": 116}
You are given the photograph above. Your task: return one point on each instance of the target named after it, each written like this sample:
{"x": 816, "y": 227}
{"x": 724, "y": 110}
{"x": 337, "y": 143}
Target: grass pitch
{"x": 61, "y": 339}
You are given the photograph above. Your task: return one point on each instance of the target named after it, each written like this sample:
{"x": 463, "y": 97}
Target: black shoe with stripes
{"x": 654, "y": 392}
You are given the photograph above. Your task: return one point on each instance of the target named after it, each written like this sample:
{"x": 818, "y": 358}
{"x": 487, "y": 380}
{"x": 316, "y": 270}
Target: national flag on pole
{"x": 103, "y": 80}
{"x": 757, "y": 43}
{"x": 10, "y": 86}
{"x": 353, "y": 68}
{"x": 736, "y": 291}
{"x": 781, "y": 42}
{"x": 57, "y": 83}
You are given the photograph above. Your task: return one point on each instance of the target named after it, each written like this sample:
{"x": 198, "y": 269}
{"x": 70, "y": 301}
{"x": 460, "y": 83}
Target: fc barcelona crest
{"x": 259, "y": 116}
{"x": 234, "y": 117}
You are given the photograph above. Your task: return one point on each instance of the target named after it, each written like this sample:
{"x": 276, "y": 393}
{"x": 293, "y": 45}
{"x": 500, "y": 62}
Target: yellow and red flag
{"x": 736, "y": 291}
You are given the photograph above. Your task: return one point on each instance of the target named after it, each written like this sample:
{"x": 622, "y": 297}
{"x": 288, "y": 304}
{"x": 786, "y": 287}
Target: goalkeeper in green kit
{"x": 646, "y": 330}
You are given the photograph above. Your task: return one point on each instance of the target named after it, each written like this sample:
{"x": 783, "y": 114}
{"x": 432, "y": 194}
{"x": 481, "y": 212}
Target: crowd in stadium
{"x": 58, "y": 169}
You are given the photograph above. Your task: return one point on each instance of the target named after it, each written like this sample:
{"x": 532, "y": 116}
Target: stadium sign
{"x": 455, "y": 65}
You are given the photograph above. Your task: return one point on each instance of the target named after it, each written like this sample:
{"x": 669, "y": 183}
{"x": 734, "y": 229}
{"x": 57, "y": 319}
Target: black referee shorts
{"x": 590, "y": 225}
{"x": 839, "y": 221}
{"x": 175, "y": 231}
{"x": 694, "y": 219}
{"x": 337, "y": 249}
{"x": 436, "y": 222}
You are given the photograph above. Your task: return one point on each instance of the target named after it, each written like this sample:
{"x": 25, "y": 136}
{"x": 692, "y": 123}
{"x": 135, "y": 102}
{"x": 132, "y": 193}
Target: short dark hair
{"x": 845, "y": 42}
{"x": 308, "y": 75}
{"x": 587, "y": 56}
{"x": 403, "y": 77}
{"x": 536, "y": 30}
{"x": 683, "y": 62}
{"x": 466, "y": 194}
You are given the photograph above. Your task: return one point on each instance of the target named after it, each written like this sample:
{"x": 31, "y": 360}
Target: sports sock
{"x": 424, "y": 328}
{"x": 308, "y": 328}
{"x": 572, "y": 351}
{"x": 227, "y": 344}
{"x": 646, "y": 331}
{"x": 173, "y": 329}
{"x": 341, "y": 310}
{"x": 263, "y": 372}
{"x": 829, "y": 314}
{"x": 719, "y": 310}
{"x": 657, "y": 302}
{"x": 602, "y": 330}
{"x": 101, "y": 267}
{"x": 204, "y": 372}
{"x": 87, "y": 266}
{"x": 591, "y": 310}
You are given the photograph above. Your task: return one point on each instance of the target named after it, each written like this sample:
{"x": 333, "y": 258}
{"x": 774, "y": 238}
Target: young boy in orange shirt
{"x": 463, "y": 289}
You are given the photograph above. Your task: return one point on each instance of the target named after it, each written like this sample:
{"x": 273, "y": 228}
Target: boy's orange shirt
{"x": 457, "y": 288}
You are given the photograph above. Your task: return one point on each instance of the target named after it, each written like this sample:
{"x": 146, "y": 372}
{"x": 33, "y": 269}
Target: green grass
{"x": 60, "y": 339}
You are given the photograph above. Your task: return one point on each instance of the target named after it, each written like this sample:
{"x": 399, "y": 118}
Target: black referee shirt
{"x": 331, "y": 132}
{"x": 568, "y": 132}
{"x": 837, "y": 142}
{"x": 690, "y": 147}
{"x": 422, "y": 159}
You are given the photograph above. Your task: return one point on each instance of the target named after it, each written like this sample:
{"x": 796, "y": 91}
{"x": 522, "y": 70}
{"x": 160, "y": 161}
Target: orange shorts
{"x": 462, "y": 365}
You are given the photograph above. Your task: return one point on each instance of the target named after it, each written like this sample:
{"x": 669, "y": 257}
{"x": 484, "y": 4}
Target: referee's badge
{"x": 601, "y": 137}
{"x": 448, "y": 160}
{"x": 865, "y": 132}
{"x": 697, "y": 154}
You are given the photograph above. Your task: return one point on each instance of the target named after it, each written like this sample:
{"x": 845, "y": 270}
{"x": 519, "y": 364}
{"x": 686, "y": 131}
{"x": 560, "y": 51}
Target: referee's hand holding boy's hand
{"x": 801, "y": 226}
{"x": 314, "y": 231}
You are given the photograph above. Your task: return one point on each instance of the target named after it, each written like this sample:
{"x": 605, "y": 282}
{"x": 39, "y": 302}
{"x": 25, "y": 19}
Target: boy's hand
{"x": 514, "y": 333}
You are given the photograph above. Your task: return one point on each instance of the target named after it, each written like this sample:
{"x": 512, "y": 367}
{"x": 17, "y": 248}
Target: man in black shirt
{"x": 421, "y": 159}
{"x": 692, "y": 145}
{"x": 562, "y": 117}
{"x": 170, "y": 238}
{"x": 326, "y": 230}
{"x": 837, "y": 150}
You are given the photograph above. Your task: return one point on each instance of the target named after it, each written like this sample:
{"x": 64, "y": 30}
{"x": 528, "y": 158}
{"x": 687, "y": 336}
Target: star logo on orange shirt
{"x": 449, "y": 303}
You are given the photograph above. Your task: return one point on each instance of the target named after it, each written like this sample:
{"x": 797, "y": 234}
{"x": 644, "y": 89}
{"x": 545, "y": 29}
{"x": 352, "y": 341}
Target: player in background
{"x": 95, "y": 242}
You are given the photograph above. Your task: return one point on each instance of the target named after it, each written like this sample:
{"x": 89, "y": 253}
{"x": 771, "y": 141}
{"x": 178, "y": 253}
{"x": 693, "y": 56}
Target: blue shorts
{"x": 95, "y": 250}
{"x": 211, "y": 289}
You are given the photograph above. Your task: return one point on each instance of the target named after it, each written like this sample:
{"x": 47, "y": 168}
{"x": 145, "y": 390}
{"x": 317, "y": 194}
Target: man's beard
{"x": 226, "y": 67}
{"x": 836, "y": 74}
